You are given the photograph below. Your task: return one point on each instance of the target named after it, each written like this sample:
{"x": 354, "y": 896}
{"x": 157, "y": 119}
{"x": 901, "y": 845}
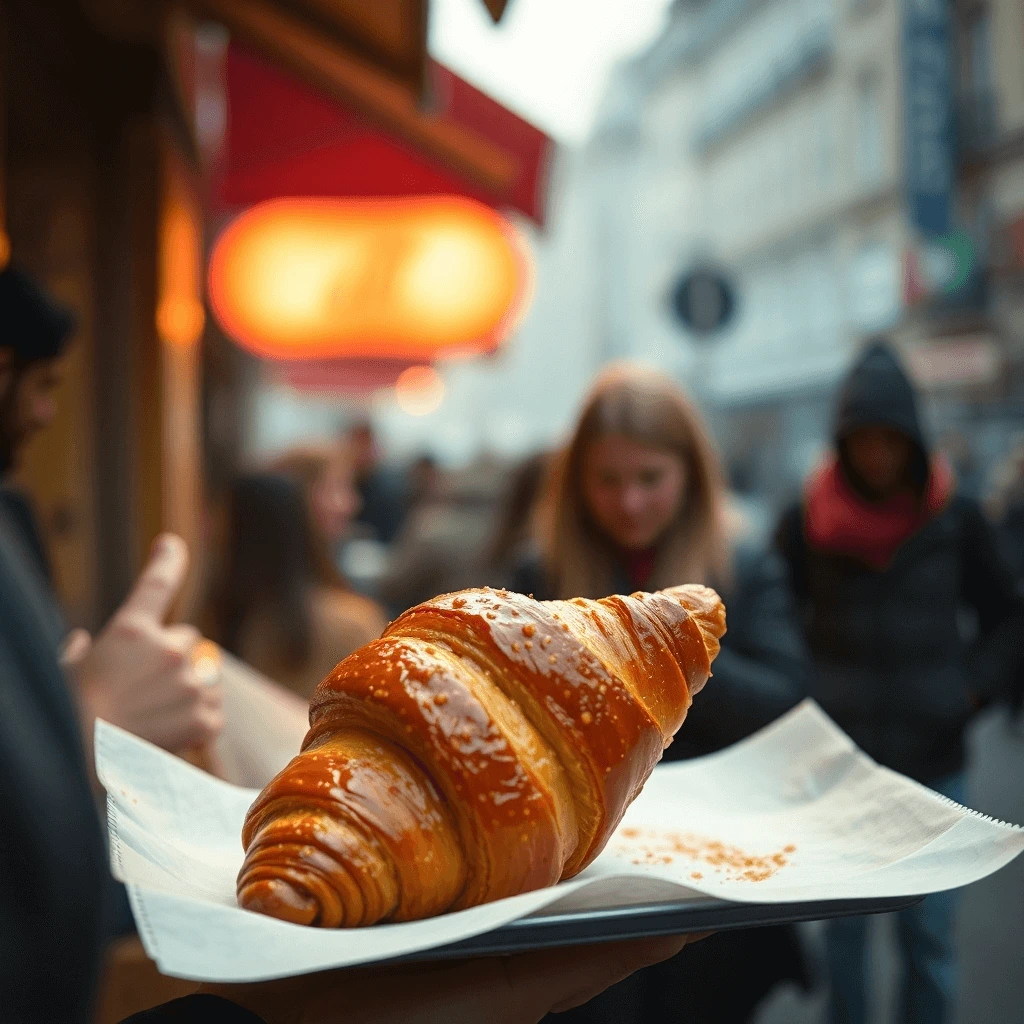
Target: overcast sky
{"x": 548, "y": 60}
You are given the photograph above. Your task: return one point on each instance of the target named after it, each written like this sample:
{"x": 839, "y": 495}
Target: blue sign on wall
{"x": 928, "y": 114}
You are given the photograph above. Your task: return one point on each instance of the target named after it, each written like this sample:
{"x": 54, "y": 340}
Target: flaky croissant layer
{"x": 486, "y": 745}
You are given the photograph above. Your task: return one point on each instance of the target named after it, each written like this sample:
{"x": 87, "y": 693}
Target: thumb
{"x": 76, "y": 647}
{"x": 160, "y": 580}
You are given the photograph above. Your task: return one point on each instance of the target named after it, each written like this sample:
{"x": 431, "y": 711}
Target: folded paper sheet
{"x": 795, "y": 813}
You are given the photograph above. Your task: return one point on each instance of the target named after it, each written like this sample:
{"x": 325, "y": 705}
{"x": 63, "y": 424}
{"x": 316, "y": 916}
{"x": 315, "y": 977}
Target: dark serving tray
{"x": 647, "y": 920}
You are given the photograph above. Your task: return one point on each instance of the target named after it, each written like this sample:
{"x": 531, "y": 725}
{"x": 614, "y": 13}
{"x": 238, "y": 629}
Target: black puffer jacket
{"x": 902, "y": 656}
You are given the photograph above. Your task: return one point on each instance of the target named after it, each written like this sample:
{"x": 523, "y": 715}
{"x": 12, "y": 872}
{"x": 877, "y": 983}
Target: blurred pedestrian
{"x": 34, "y": 332}
{"x": 512, "y": 541}
{"x": 1006, "y": 506}
{"x": 275, "y": 599}
{"x": 53, "y": 865}
{"x": 383, "y": 489}
{"x": 637, "y": 501}
{"x": 885, "y": 556}
{"x": 438, "y": 549}
{"x": 137, "y": 672}
{"x": 424, "y": 479}
{"x": 956, "y": 446}
{"x": 326, "y": 474}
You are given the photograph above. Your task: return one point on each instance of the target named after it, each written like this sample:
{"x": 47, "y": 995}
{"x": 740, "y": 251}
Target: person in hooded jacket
{"x": 913, "y": 622}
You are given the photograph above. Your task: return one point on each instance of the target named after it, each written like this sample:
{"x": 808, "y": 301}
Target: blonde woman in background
{"x": 637, "y": 501}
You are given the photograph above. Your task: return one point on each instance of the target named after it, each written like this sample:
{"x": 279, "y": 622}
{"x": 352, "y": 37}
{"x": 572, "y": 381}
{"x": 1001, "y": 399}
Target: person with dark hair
{"x": 138, "y": 672}
{"x": 276, "y": 600}
{"x": 138, "y": 678}
{"x": 383, "y": 489}
{"x": 886, "y": 557}
{"x": 34, "y": 332}
{"x": 424, "y": 474}
{"x": 326, "y": 473}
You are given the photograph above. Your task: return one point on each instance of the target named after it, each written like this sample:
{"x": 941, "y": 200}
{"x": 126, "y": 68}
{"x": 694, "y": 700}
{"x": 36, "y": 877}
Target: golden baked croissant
{"x": 486, "y": 745}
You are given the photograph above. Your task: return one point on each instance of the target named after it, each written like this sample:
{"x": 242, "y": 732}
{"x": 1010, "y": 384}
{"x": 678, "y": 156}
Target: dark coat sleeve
{"x": 992, "y": 590}
{"x": 762, "y": 669}
{"x": 22, "y": 516}
{"x": 52, "y": 858}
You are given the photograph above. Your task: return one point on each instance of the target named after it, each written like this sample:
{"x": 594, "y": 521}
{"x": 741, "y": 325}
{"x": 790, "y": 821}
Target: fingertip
{"x": 168, "y": 544}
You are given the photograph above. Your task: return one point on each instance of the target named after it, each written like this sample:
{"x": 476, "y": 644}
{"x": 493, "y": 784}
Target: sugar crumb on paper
{"x": 649, "y": 847}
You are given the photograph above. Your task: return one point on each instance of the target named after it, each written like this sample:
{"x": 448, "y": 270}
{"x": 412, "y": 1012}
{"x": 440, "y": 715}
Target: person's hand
{"x": 138, "y": 673}
{"x": 495, "y": 990}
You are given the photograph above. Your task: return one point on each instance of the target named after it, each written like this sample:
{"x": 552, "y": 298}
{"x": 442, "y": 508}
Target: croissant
{"x": 486, "y": 745}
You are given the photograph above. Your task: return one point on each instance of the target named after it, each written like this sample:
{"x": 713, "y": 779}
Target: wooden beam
{"x": 5, "y": 243}
{"x": 387, "y": 36}
{"x": 291, "y": 43}
{"x": 180, "y": 319}
{"x": 128, "y": 371}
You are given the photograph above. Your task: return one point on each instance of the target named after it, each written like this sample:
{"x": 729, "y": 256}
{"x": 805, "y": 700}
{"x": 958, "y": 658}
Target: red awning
{"x": 284, "y": 138}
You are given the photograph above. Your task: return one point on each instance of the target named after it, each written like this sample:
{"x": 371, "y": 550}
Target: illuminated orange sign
{"x": 403, "y": 278}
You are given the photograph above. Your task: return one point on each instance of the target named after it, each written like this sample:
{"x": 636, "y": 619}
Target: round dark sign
{"x": 703, "y": 301}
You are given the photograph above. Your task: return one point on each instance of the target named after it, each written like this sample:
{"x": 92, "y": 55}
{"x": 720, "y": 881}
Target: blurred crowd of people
{"x": 886, "y": 593}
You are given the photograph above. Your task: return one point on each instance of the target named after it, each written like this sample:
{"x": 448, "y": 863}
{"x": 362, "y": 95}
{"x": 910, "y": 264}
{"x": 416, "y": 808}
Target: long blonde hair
{"x": 649, "y": 408}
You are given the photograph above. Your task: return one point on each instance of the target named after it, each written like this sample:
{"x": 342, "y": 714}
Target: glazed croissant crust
{"x": 486, "y": 745}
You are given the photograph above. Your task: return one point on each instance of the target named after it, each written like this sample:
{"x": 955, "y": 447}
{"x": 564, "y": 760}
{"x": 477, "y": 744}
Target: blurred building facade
{"x": 852, "y": 171}
{"x": 991, "y": 179}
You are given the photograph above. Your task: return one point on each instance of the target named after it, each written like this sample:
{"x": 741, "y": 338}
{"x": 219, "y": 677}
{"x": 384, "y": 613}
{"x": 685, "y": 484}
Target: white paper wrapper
{"x": 796, "y": 813}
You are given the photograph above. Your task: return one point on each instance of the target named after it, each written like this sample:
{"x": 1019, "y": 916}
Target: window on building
{"x": 824, "y": 148}
{"x": 774, "y": 175}
{"x": 869, "y": 133}
{"x": 979, "y": 36}
{"x": 791, "y": 141}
